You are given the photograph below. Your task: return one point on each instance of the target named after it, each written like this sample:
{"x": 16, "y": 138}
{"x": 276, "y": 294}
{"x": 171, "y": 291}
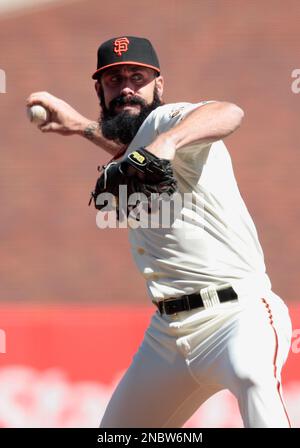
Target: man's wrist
{"x": 163, "y": 146}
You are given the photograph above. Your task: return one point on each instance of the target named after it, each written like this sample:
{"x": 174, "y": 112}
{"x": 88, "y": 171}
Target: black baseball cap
{"x": 126, "y": 50}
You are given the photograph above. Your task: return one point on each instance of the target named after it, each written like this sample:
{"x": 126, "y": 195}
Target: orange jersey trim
{"x": 271, "y": 321}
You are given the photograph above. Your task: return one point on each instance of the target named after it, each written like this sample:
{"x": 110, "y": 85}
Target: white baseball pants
{"x": 186, "y": 358}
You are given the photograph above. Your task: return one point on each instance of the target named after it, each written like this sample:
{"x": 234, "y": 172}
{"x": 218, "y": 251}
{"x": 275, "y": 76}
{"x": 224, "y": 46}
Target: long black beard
{"x": 123, "y": 126}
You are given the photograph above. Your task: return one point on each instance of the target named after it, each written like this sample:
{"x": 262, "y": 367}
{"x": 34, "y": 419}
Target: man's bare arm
{"x": 91, "y": 131}
{"x": 207, "y": 123}
{"x": 65, "y": 120}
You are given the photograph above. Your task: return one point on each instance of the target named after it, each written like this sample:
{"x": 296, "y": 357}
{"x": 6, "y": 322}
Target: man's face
{"x": 127, "y": 93}
{"x": 128, "y": 81}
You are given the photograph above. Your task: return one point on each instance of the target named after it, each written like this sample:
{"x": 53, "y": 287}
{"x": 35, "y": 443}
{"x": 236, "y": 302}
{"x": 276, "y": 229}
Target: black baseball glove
{"x": 141, "y": 172}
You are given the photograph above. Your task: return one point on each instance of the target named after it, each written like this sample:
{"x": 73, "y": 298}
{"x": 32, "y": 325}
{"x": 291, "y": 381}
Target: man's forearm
{"x": 208, "y": 123}
{"x": 65, "y": 120}
{"x": 91, "y": 131}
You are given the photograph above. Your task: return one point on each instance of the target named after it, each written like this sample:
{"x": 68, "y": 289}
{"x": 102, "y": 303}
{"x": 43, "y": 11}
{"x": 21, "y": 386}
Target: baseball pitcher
{"x": 217, "y": 324}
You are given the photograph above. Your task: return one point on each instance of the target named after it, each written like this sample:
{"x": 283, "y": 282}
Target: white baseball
{"x": 38, "y": 114}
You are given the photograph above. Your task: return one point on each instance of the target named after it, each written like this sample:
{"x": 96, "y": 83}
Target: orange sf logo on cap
{"x": 121, "y": 45}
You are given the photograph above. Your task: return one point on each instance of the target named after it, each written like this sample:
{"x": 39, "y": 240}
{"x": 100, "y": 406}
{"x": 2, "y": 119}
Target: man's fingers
{"x": 43, "y": 98}
{"x": 50, "y": 127}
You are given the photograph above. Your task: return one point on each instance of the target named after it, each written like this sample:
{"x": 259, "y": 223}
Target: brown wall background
{"x": 244, "y": 52}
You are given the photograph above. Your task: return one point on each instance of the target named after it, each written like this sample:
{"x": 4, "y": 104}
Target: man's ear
{"x": 98, "y": 87}
{"x": 159, "y": 82}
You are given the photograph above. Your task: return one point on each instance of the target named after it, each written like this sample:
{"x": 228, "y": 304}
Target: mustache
{"x": 124, "y": 100}
{"x": 123, "y": 126}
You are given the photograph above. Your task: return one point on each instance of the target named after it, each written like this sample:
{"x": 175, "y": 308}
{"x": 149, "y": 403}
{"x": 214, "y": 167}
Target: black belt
{"x": 188, "y": 302}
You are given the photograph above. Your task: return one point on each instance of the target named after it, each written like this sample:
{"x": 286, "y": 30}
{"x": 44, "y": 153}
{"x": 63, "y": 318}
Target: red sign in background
{"x": 59, "y": 366}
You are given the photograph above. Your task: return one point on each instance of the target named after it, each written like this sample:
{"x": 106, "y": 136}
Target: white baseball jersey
{"x": 213, "y": 240}
{"x": 187, "y": 357}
